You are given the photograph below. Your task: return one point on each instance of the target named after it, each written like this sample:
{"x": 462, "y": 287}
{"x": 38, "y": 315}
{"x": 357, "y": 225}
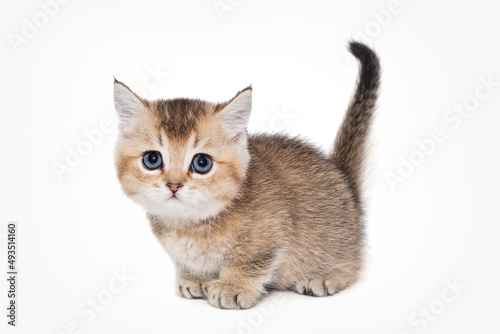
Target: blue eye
{"x": 152, "y": 160}
{"x": 201, "y": 164}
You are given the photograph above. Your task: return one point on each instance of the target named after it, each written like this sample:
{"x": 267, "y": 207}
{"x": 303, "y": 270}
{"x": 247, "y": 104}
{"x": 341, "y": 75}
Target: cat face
{"x": 181, "y": 159}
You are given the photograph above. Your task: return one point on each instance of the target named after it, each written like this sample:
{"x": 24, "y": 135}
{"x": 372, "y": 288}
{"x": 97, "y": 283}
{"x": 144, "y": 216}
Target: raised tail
{"x": 349, "y": 147}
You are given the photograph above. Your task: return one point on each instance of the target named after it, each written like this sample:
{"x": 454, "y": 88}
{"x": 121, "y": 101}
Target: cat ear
{"x": 128, "y": 105}
{"x": 236, "y": 113}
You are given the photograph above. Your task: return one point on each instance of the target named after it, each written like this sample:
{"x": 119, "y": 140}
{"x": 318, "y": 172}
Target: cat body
{"x": 241, "y": 215}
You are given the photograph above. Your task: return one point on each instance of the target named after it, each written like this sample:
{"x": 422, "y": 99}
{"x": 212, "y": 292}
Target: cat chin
{"x": 177, "y": 212}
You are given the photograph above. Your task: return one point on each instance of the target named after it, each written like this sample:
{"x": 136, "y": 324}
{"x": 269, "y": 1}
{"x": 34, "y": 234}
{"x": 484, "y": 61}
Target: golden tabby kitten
{"x": 241, "y": 215}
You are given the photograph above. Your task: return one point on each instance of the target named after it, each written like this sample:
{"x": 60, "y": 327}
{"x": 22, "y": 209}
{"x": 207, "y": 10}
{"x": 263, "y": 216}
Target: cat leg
{"x": 327, "y": 285}
{"x": 318, "y": 287}
{"x": 241, "y": 282}
{"x": 235, "y": 290}
{"x": 190, "y": 286}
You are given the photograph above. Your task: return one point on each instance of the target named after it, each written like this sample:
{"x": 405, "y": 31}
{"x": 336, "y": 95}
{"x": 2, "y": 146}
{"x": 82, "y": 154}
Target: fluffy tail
{"x": 349, "y": 147}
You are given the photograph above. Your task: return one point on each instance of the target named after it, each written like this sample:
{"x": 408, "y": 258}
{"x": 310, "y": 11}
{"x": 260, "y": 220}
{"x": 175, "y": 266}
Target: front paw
{"x": 189, "y": 288}
{"x": 226, "y": 295}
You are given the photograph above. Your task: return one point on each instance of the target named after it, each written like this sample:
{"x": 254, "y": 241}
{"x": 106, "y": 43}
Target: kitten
{"x": 241, "y": 215}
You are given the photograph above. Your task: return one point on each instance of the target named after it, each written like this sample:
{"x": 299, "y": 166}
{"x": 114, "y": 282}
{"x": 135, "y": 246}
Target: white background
{"x": 439, "y": 224}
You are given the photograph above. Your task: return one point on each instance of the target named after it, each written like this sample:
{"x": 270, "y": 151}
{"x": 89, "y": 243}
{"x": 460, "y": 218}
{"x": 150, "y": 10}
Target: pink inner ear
{"x": 127, "y": 105}
{"x": 237, "y": 113}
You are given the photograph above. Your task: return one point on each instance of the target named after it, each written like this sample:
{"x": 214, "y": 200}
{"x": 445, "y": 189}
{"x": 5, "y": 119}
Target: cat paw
{"x": 317, "y": 287}
{"x": 225, "y": 295}
{"x": 190, "y": 289}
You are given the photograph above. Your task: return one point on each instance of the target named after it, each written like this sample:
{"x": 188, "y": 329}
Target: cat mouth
{"x": 174, "y": 198}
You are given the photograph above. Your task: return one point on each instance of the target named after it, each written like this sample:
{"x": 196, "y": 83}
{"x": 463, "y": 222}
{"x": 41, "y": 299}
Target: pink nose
{"x": 174, "y": 187}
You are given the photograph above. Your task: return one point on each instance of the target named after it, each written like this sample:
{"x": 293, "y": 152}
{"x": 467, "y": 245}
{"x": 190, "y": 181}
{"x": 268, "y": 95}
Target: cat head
{"x": 181, "y": 159}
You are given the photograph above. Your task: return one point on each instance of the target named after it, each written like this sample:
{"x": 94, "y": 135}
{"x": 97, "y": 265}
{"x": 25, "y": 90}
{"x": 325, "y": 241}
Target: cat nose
{"x": 174, "y": 187}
